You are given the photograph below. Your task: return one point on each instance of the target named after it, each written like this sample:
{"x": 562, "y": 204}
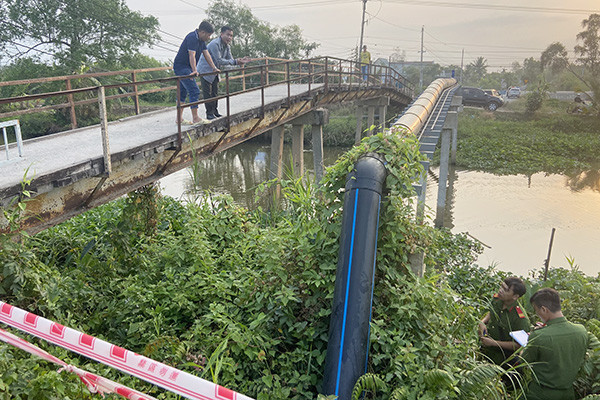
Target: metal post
{"x": 136, "y": 98}
{"x": 298, "y": 150}
{"x": 267, "y": 70}
{"x": 19, "y": 138}
{"x": 227, "y": 101}
{"x": 326, "y": 74}
{"x": 104, "y": 130}
{"x": 262, "y": 91}
{"x": 547, "y": 262}
{"x": 309, "y": 76}
{"x": 5, "y": 142}
{"x": 289, "y": 84}
{"x": 359, "y": 122}
{"x": 72, "y": 106}
{"x": 179, "y": 114}
{"x": 317, "y": 143}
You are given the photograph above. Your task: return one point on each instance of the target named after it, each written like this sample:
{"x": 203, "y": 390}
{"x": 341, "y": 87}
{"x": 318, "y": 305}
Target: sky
{"x": 501, "y": 31}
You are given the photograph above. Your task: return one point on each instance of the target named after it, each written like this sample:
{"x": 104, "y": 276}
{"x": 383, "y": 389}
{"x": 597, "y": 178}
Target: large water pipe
{"x": 349, "y": 326}
{"x": 347, "y": 348}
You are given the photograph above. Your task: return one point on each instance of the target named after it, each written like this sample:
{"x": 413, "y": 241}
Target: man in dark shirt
{"x": 505, "y": 315}
{"x": 186, "y": 62}
{"x": 555, "y": 352}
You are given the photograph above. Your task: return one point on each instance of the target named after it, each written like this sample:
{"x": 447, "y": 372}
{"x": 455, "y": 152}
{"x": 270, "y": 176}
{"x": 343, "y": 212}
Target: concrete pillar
{"x": 417, "y": 264}
{"x": 420, "y": 213}
{"x": 317, "y": 143}
{"x": 452, "y": 118}
{"x": 276, "y": 170}
{"x": 443, "y": 179}
{"x": 298, "y": 150}
{"x": 359, "y": 119}
{"x": 370, "y": 120}
{"x": 382, "y": 110}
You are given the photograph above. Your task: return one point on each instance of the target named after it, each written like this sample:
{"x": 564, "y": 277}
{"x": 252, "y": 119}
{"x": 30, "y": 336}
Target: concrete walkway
{"x": 49, "y": 154}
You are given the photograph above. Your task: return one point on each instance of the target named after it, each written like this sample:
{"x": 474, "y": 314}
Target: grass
{"x": 513, "y": 142}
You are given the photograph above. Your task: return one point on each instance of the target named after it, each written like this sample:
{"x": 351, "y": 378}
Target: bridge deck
{"x": 49, "y": 154}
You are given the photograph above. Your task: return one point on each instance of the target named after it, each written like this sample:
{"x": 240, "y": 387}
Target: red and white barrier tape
{"x": 94, "y": 383}
{"x": 155, "y": 372}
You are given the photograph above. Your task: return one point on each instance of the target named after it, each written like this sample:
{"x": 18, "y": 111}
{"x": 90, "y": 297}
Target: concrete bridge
{"x": 79, "y": 169}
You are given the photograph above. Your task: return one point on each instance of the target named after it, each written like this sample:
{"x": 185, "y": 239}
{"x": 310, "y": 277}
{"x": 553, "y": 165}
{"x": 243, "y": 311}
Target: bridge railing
{"x": 329, "y": 73}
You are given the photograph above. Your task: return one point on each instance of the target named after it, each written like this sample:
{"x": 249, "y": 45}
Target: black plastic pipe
{"x": 349, "y": 327}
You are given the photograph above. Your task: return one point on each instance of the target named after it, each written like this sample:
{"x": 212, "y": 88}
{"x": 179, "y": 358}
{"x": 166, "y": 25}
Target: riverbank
{"x": 513, "y": 142}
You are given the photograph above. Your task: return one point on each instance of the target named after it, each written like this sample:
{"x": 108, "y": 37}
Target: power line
{"x": 496, "y": 7}
{"x": 301, "y": 5}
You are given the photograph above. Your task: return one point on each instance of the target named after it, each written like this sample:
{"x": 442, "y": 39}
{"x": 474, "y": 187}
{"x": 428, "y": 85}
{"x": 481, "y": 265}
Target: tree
{"x": 589, "y": 49}
{"x": 256, "y": 38}
{"x": 555, "y": 57}
{"x": 475, "y": 71}
{"x": 75, "y": 33}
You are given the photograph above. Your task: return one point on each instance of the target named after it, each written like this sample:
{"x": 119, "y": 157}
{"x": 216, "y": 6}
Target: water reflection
{"x": 237, "y": 171}
{"x": 515, "y": 216}
{"x": 587, "y": 179}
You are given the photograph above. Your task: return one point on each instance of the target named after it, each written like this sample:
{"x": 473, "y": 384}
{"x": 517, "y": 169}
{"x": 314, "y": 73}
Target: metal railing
{"x": 324, "y": 73}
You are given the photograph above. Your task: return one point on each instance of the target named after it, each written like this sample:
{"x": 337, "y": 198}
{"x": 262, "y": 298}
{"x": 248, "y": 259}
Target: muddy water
{"x": 237, "y": 171}
{"x": 513, "y": 215}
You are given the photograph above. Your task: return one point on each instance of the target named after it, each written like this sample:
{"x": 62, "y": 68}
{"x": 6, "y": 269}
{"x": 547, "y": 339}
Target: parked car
{"x": 477, "y": 97}
{"x": 513, "y": 93}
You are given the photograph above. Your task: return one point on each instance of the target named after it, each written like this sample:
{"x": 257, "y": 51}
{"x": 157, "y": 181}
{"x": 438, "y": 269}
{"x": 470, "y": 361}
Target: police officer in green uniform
{"x": 505, "y": 315}
{"x": 555, "y": 351}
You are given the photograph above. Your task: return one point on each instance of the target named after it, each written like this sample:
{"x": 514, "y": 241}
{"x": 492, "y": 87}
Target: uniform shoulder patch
{"x": 520, "y": 312}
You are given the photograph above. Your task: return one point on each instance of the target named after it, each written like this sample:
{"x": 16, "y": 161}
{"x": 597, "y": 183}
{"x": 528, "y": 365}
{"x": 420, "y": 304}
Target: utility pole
{"x": 462, "y": 59}
{"x": 421, "y": 65}
{"x": 362, "y": 29}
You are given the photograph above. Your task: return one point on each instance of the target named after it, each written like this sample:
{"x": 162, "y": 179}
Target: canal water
{"x": 512, "y": 216}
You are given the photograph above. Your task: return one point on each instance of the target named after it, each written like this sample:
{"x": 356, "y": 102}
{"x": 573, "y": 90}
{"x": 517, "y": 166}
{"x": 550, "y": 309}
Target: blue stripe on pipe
{"x": 337, "y": 379}
{"x": 372, "y": 285}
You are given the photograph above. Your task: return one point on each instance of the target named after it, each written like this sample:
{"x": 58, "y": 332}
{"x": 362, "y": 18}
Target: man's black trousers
{"x": 210, "y": 90}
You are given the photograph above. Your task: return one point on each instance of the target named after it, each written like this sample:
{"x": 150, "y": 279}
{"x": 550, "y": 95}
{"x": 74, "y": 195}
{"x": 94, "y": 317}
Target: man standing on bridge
{"x": 220, "y": 51}
{"x": 186, "y": 61}
{"x": 365, "y": 60}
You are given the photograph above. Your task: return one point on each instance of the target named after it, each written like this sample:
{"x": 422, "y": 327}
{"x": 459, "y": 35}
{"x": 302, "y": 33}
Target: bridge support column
{"x": 417, "y": 260}
{"x": 359, "y": 121}
{"x": 316, "y": 119}
{"x": 298, "y": 149}
{"x": 317, "y": 143}
{"x": 370, "y": 120}
{"x": 381, "y": 105}
{"x": 382, "y": 110}
{"x": 444, "y": 164}
{"x": 456, "y": 103}
{"x": 276, "y": 170}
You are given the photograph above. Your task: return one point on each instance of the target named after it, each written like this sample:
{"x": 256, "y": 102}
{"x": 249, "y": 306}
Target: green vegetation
{"x": 243, "y": 297}
{"x": 515, "y": 142}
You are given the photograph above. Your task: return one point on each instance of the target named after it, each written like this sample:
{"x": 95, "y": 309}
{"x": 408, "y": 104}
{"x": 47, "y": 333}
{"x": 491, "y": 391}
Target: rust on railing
{"x": 319, "y": 70}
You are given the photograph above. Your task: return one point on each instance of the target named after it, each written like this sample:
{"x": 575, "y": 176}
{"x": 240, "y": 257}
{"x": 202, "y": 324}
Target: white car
{"x": 513, "y": 93}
